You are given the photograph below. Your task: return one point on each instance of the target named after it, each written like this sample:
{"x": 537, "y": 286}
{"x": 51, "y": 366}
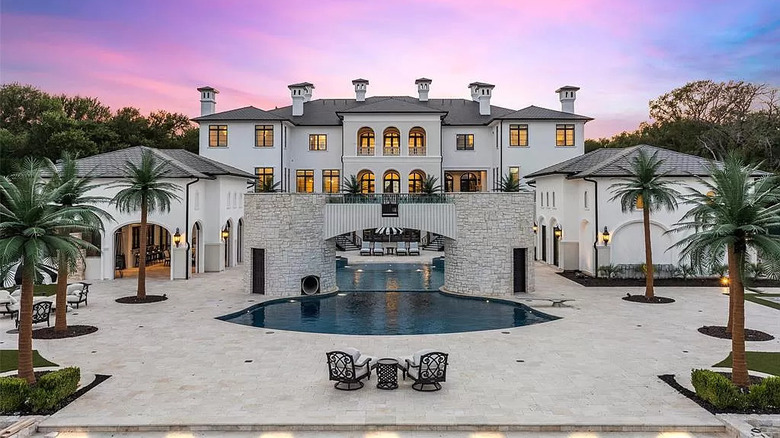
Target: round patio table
{"x": 387, "y": 373}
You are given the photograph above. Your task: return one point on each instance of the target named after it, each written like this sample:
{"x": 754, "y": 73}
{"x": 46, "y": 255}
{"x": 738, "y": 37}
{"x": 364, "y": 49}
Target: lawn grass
{"x": 41, "y": 290}
{"x": 756, "y": 298}
{"x": 9, "y": 360}
{"x": 761, "y": 361}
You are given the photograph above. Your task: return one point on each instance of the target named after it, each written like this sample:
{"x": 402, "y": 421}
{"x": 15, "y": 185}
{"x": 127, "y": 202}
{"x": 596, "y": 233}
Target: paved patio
{"x": 173, "y": 364}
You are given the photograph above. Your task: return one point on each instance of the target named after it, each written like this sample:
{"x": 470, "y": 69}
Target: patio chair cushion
{"x": 75, "y": 289}
{"x": 5, "y": 297}
{"x": 415, "y": 358}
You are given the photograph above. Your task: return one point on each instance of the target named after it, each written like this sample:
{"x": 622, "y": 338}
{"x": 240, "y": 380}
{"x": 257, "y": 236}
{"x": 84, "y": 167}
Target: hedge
{"x": 45, "y": 395}
{"x": 723, "y": 394}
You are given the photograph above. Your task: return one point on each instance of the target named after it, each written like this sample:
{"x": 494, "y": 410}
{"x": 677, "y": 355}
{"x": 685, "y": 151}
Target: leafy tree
{"x": 707, "y": 101}
{"x": 144, "y": 189}
{"x": 71, "y": 191}
{"x": 649, "y": 190}
{"x": 430, "y": 185}
{"x": 509, "y": 183}
{"x": 32, "y": 231}
{"x": 738, "y": 215}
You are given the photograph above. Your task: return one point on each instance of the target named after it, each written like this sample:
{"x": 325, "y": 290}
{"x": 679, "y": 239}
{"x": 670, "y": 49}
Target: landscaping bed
{"x": 136, "y": 300}
{"x": 52, "y": 391}
{"x": 589, "y": 281}
{"x": 72, "y": 332}
{"x": 725, "y": 398}
{"x": 644, "y": 299}
{"x": 719, "y": 331}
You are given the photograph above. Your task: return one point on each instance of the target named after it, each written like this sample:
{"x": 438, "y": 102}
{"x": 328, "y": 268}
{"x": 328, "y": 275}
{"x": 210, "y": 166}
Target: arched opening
{"x": 366, "y": 141}
{"x": 416, "y": 179}
{"x": 127, "y": 251}
{"x": 417, "y": 141}
{"x": 227, "y": 236}
{"x": 555, "y": 255}
{"x": 469, "y": 182}
{"x": 449, "y": 183}
{"x": 391, "y": 141}
{"x": 240, "y": 241}
{"x": 366, "y": 180}
{"x": 195, "y": 250}
{"x": 541, "y": 240}
{"x": 391, "y": 182}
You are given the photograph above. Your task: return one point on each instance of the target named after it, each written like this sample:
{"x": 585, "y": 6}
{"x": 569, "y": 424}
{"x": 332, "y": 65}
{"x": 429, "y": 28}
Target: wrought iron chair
{"x": 41, "y": 311}
{"x": 427, "y": 368}
{"x": 345, "y": 369}
{"x": 77, "y": 294}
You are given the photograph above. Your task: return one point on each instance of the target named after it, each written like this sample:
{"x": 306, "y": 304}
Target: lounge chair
{"x": 366, "y": 248}
{"x": 348, "y": 367}
{"x": 378, "y": 249}
{"x": 426, "y": 368}
{"x": 401, "y": 249}
{"x": 77, "y": 294}
{"x": 414, "y": 249}
{"x": 9, "y": 304}
{"x": 41, "y": 312}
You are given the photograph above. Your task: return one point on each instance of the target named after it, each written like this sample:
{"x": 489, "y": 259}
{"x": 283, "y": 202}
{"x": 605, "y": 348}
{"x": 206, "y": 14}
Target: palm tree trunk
{"x": 142, "y": 253}
{"x": 25, "y": 325}
{"x": 739, "y": 374}
{"x": 61, "y": 323}
{"x": 649, "y": 293}
{"x": 730, "y": 322}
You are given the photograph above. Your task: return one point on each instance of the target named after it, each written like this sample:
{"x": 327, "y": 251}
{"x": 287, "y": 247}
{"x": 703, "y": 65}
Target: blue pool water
{"x": 388, "y": 299}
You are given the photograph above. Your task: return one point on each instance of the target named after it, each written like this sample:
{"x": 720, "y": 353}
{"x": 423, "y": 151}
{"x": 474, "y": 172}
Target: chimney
{"x": 567, "y": 94}
{"x": 208, "y": 100}
{"x": 300, "y": 94}
{"x": 423, "y": 86}
{"x": 480, "y": 92}
{"x": 360, "y": 89}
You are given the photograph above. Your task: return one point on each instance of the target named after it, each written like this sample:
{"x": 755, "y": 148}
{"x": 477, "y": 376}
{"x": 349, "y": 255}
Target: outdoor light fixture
{"x": 724, "y": 281}
{"x": 536, "y": 228}
{"x": 225, "y": 233}
{"x": 640, "y": 202}
{"x": 177, "y": 237}
{"x": 605, "y": 236}
{"x": 558, "y": 232}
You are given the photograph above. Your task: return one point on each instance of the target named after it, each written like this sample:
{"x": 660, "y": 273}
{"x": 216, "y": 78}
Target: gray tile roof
{"x": 391, "y": 105}
{"x": 616, "y": 162}
{"x": 245, "y": 113}
{"x": 181, "y": 164}
{"x": 538, "y": 113}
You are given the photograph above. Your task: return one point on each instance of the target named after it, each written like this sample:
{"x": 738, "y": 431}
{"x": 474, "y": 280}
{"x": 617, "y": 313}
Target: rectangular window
{"x": 514, "y": 173}
{"x": 518, "y": 135}
{"x": 304, "y": 181}
{"x": 465, "y": 142}
{"x": 586, "y": 201}
{"x": 264, "y": 136}
{"x": 265, "y": 179}
{"x": 318, "y": 142}
{"x": 564, "y": 135}
{"x": 217, "y": 136}
{"x": 330, "y": 181}
{"x": 553, "y": 199}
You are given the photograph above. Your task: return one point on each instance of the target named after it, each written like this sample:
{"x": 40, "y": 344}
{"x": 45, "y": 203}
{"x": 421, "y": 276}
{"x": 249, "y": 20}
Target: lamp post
{"x": 605, "y": 236}
{"x": 177, "y": 237}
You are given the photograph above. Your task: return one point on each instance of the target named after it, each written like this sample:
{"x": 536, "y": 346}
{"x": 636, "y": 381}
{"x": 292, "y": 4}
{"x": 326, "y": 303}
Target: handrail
{"x": 390, "y": 198}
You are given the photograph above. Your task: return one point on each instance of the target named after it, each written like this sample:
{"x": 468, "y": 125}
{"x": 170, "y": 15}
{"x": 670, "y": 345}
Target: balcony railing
{"x": 390, "y": 198}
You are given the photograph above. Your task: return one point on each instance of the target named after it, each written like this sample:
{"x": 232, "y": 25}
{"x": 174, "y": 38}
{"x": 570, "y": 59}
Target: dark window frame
{"x": 318, "y": 145}
{"x": 305, "y": 175}
{"x": 262, "y": 173}
{"x": 462, "y": 143}
{"x": 568, "y": 135}
{"x": 217, "y": 131}
{"x": 264, "y": 129}
{"x": 391, "y": 141}
{"x": 329, "y": 175}
{"x": 519, "y": 128}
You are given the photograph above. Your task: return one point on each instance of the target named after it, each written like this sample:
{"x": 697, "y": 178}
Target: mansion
{"x": 390, "y": 143}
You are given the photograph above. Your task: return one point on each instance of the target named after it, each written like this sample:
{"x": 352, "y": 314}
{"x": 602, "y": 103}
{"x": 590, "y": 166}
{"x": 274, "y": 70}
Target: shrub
{"x": 771, "y": 387}
{"x": 609, "y": 271}
{"x": 685, "y": 271}
{"x": 13, "y": 394}
{"x": 717, "y": 390}
{"x": 51, "y": 389}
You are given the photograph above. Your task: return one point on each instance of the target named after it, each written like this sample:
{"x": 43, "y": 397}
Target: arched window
{"x": 469, "y": 182}
{"x": 416, "y": 181}
{"x": 449, "y": 183}
{"x": 417, "y": 141}
{"x": 366, "y": 179}
{"x": 392, "y": 142}
{"x": 365, "y": 141}
{"x": 391, "y": 182}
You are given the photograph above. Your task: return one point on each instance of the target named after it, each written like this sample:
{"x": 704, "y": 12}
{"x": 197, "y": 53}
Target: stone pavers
{"x": 174, "y": 364}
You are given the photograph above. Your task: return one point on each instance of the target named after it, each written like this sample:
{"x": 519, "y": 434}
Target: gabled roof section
{"x": 614, "y": 162}
{"x": 392, "y": 105}
{"x": 245, "y": 113}
{"x": 538, "y": 113}
{"x": 181, "y": 164}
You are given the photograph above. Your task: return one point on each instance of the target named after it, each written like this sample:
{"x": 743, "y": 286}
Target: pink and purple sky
{"x": 152, "y": 54}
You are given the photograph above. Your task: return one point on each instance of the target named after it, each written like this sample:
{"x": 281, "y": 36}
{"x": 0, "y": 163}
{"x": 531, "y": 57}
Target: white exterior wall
{"x": 241, "y": 151}
{"x": 541, "y": 151}
{"x": 483, "y": 157}
{"x": 299, "y": 157}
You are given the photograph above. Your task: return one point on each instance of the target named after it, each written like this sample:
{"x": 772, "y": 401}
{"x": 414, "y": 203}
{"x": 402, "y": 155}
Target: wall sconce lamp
{"x": 225, "y": 233}
{"x": 177, "y": 237}
{"x": 536, "y": 228}
{"x": 725, "y": 281}
{"x": 605, "y": 236}
{"x": 558, "y": 232}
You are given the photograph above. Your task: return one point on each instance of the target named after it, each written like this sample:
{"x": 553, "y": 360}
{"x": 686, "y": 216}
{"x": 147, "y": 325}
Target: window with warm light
{"x": 391, "y": 141}
{"x": 330, "y": 181}
{"x": 469, "y": 182}
{"x": 264, "y": 136}
{"x": 449, "y": 183}
{"x": 265, "y": 177}
{"x": 417, "y": 141}
{"x": 318, "y": 142}
{"x": 391, "y": 182}
{"x": 464, "y": 142}
{"x": 514, "y": 173}
{"x": 416, "y": 181}
{"x": 366, "y": 179}
{"x": 366, "y": 141}
{"x": 564, "y": 135}
{"x": 518, "y": 135}
{"x": 304, "y": 181}
{"x": 218, "y": 135}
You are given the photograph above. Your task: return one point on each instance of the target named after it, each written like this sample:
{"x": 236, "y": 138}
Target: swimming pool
{"x": 388, "y": 299}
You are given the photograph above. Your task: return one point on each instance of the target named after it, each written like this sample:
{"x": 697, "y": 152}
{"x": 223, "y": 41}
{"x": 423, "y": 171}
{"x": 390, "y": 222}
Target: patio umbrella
{"x": 388, "y": 231}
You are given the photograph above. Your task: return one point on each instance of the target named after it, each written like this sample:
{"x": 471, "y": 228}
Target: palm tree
{"x": 144, "y": 189}
{"x": 509, "y": 183}
{"x": 430, "y": 185}
{"x": 351, "y": 185}
{"x": 736, "y": 211}
{"x": 30, "y": 232}
{"x": 267, "y": 185}
{"x": 649, "y": 190}
{"x": 71, "y": 191}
